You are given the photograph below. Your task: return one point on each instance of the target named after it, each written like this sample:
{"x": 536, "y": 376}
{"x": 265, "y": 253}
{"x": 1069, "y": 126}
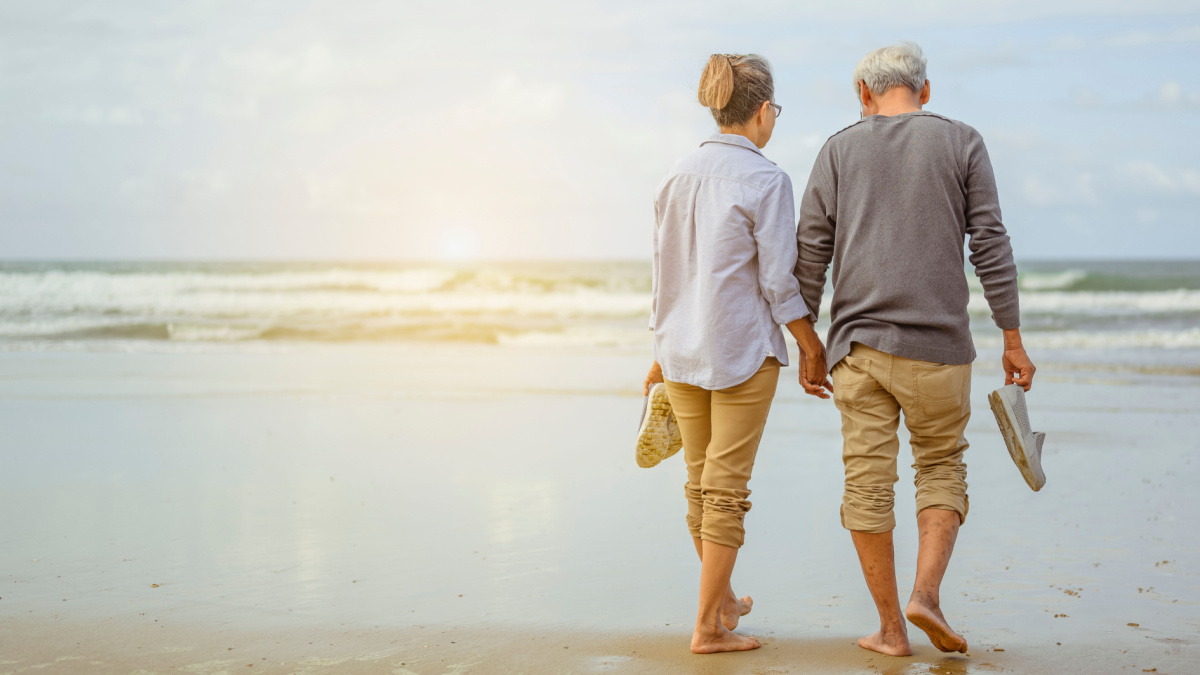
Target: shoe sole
{"x": 1033, "y": 474}
{"x": 653, "y": 439}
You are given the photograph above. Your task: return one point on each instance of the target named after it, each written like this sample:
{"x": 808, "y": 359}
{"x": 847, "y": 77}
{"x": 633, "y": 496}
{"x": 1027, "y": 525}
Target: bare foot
{"x": 734, "y": 609}
{"x": 709, "y": 641}
{"x": 927, "y": 616}
{"x": 892, "y": 643}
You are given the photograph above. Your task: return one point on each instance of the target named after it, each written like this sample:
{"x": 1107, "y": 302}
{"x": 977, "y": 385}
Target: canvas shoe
{"x": 658, "y": 435}
{"x": 1024, "y": 444}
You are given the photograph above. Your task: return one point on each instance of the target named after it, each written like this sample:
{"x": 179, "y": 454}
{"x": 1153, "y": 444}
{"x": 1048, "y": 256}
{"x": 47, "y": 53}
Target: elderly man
{"x": 890, "y": 202}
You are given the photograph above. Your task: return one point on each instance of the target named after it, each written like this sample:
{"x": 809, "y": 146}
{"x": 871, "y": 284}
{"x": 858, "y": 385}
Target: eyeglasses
{"x": 778, "y": 108}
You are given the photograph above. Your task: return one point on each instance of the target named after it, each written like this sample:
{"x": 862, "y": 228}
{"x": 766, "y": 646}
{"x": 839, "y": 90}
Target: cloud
{"x": 1087, "y": 99}
{"x": 1068, "y": 43}
{"x": 1147, "y": 177}
{"x": 1170, "y": 96}
{"x": 96, "y": 115}
{"x": 1006, "y": 55}
{"x": 1141, "y": 38}
{"x": 532, "y": 128}
{"x": 1190, "y": 180}
{"x": 1060, "y": 190}
{"x": 1173, "y": 95}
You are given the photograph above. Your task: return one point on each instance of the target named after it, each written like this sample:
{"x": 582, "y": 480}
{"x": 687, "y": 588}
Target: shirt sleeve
{"x": 654, "y": 268}
{"x": 815, "y": 232}
{"x": 991, "y": 251}
{"x": 774, "y": 235}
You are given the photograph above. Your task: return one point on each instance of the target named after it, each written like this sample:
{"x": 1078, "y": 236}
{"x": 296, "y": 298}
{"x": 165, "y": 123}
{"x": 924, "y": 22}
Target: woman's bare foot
{"x": 892, "y": 643}
{"x": 734, "y": 609}
{"x": 710, "y": 640}
{"x": 927, "y": 616}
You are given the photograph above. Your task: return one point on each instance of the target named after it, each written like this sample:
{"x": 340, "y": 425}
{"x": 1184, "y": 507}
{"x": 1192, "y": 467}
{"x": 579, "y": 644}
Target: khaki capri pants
{"x": 871, "y": 389}
{"x": 721, "y": 430}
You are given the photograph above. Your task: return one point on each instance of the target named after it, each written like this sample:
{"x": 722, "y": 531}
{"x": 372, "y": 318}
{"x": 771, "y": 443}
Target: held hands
{"x": 655, "y": 375}
{"x": 1018, "y": 369}
{"x": 814, "y": 375}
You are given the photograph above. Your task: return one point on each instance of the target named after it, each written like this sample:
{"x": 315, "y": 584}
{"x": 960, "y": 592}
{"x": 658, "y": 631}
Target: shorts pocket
{"x": 941, "y": 389}
{"x": 853, "y": 385}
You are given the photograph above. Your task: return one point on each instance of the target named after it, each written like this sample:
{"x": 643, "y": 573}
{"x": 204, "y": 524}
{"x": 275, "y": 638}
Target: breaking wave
{"x": 534, "y": 304}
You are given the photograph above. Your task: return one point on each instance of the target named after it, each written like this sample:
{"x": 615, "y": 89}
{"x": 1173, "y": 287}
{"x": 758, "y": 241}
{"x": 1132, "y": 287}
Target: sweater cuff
{"x": 1007, "y": 318}
{"x": 789, "y": 311}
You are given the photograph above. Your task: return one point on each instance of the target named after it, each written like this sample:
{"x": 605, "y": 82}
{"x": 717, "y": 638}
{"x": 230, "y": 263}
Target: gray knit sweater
{"x": 890, "y": 202}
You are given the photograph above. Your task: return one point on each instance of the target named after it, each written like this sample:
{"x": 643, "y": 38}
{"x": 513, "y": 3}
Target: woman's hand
{"x": 654, "y": 376}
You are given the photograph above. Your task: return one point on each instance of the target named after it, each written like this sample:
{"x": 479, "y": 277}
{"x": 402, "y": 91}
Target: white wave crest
{"x": 1101, "y": 303}
{"x": 86, "y": 283}
{"x": 1157, "y": 339}
{"x": 212, "y": 333}
{"x": 577, "y": 338}
{"x": 1034, "y": 281}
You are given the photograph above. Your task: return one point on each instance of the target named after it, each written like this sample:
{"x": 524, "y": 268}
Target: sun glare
{"x": 457, "y": 242}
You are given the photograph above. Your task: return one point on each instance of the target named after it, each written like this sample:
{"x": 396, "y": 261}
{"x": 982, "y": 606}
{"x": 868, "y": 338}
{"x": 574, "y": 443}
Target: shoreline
{"x": 163, "y": 646}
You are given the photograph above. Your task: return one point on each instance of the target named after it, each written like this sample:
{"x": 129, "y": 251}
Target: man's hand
{"x": 814, "y": 376}
{"x": 1018, "y": 369}
{"x": 655, "y": 375}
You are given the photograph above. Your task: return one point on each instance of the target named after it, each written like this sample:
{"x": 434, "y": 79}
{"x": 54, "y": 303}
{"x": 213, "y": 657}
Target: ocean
{"x": 1128, "y": 311}
{"x": 213, "y": 464}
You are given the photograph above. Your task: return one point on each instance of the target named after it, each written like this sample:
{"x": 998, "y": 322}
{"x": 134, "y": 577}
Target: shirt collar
{"x": 734, "y": 139}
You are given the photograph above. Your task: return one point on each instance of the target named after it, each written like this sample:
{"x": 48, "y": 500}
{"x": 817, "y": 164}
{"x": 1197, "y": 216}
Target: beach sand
{"x": 449, "y": 508}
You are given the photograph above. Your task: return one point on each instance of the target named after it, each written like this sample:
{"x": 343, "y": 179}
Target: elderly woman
{"x": 724, "y": 253}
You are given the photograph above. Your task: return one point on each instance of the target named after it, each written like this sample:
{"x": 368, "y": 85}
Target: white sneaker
{"x": 1025, "y": 445}
{"x": 658, "y": 435}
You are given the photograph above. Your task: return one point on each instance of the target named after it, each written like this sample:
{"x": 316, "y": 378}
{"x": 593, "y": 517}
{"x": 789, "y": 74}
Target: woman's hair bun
{"x": 734, "y": 87}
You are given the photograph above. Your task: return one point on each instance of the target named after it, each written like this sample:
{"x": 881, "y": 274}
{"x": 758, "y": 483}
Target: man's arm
{"x": 815, "y": 231}
{"x": 992, "y": 256}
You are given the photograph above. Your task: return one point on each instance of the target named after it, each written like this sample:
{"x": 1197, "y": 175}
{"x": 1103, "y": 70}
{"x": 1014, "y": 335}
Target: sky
{"x": 538, "y": 129}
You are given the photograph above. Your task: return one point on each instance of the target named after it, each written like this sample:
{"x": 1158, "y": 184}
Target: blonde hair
{"x": 734, "y": 87}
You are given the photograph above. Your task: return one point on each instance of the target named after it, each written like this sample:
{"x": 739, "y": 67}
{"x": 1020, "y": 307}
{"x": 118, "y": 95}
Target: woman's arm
{"x": 775, "y": 235}
{"x": 775, "y": 238}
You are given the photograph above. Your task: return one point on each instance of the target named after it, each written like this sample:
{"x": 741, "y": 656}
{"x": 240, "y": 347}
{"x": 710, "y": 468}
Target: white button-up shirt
{"x": 724, "y": 256}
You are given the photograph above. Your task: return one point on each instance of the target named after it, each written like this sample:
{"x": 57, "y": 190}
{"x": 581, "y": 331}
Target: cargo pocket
{"x": 853, "y": 385}
{"x": 941, "y": 389}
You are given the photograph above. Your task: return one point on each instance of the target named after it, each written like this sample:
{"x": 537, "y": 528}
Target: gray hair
{"x": 899, "y": 65}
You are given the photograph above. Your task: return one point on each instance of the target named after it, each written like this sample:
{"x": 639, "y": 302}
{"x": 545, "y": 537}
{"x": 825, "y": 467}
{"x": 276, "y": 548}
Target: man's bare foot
{"x": 927, "y": 616}
{"x": 734, "y": 609}
{"x": 710, "y": 641}
{"x": 892, "y": 643}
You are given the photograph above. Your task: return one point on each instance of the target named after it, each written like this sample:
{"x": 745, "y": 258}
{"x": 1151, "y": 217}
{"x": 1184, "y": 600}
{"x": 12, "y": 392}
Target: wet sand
{"x": 455, "y": 509}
